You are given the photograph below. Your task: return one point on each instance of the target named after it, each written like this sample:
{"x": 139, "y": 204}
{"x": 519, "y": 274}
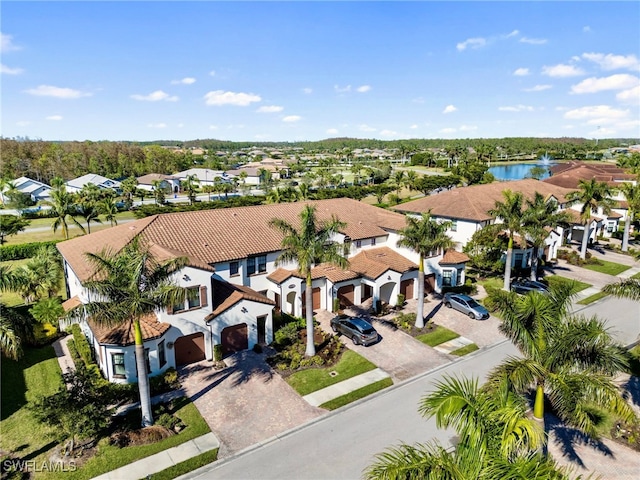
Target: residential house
{"x": 38, "y": 191}
{"x": 235, "y": 281}
{"x": 168, "y": 183}
{"x": 205, "y": 176}
{"x": 76, "y": 184}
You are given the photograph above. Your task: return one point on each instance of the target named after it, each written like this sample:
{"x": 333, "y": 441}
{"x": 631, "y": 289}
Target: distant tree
{"x": 536, "y": 172}
{"x": 109, "y": 209}
{"x": 129, "y": 186}
{"x": 141, "y": 193}
{"x": 190, "y": 185}
{"x": 90, "y": 211}
{"x": 11, "y": 225}
{"x": 158, "y": 192}
{"x": 62, "y": 205}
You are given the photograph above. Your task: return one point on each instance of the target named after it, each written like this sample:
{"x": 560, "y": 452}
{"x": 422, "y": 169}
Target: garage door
{"x": 345, "y": 294}
{"x": 406, "y": 289}
{"x": 429, "y": 283}
{"x": 315, "y": 298}
{"x": 234, "y": 339}
{"x": 189, "y": 349}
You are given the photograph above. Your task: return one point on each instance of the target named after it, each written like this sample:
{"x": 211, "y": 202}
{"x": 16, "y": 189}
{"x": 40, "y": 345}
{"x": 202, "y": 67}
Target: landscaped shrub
{"x": 23, "y": 250}
{"x": 217, "y": 352}
{"x": 405, "y": 321}
{"x": 286, "y": 335}
{"x": 164, "y": 382}
{"x": 82, "y": 345}
{"x": 400, "y": 300}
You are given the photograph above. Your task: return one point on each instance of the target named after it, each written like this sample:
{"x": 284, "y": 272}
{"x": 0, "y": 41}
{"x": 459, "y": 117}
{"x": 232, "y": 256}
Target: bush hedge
{"x": 243, "y": 201}
{"x": 23, "y": 250}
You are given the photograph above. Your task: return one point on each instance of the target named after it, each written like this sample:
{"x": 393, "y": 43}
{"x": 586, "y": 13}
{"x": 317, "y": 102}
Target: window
{"x": 234, "y": 268}
{"x": 256, "y": 264}
{"x": 117, "y": 361}
{"x": 192, "y": 301}
{"x": 373, "y": 241}
{"x": 162, "y": 356}
{"x": 358, "y": 243}
{"x": 454, "y": 225}
{"x": 447, "y": 276}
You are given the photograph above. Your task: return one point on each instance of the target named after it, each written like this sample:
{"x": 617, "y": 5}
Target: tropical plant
{"x": 129, "y": 186}
{"x": 109, "y": 209}
{"x": 11, "y": 225}
{"x": 159, "y": 193}
{"x": 496, "y": 439}
{"x": 90, "y": 211}
{"x": 309, "y": 246}
{"x": 41, "y": 276}
{"x": 190, "y": 185}
{"x": 131, "y": 284}
{"x": 47, "y": 310}
{"x": 538, "y": 217}
{"x": 510, "y": 213}
{"x": 15, "y": 328}
{"x": 62, "y": 205}
{"x": 629, "y": 288}
{"x": 631, "y": 194}
{"x": 425, "y": 237}
{"x": 592, "y": 195}
{"x": 568, "y": 360}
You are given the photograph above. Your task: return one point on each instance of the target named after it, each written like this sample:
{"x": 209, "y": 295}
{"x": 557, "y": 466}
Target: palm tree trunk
{"x": 585, "y": 239}
{"x": 507, "y": 267}
{"x": 538, "y": 406}
{"x": 534, "y": 264}
{"x": 308, "y": 299}
{"x": 625, "y": 234}
{"x": 420, "y": 306}
{"x": 143, "y": 377}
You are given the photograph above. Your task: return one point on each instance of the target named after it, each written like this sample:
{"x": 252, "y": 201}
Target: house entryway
{"x": 189, "y": 349}
{"x": 346, "y": 295}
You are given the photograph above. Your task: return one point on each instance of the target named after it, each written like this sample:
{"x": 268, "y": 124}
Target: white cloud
{"x": 363, "y": 88}
{"x": 597, "y": 114}
{"x": 340, "y": 89}
{"x": 517, "y": 108}
{"x": 613, "y": 62}
{"x": 538, "y": 88}
{"x": 220, "y": 97}
{"x": 54, "y": 117}
{"x": 157, "y": 125}
{"x": 156, "y": 96}
{"x": 261, "y": 136}
{"x": 307, "y": 91}
{"x": 631, "y": 96}
{"x": 213, "y": 127}
{"x": 6, "y": 43}
{"x": 413, "y": 127}
{"x": 292, "y": 118}
{"x": 184, "y": 81}
{"x": 620, "y": 81}
{"x": 468, "y": 128}
{"x": 270, "y": 109}
{"x": 521, "y": 72}
{"x": 388, "y": 133}
{"x": 474, "y": 43}
{"x": 533, "y": 41}
{"x": 212, "y": 73}
{"x": 332, "y": 131}
{"x": 561, "y": 70}
{"x": 449, "y": 109}
{"x": 448, "y": 130}
{"x": 514, "y": 33}
{"x": 586, "y": 29}
{"x": 366, "y": 128}
{"x": 10, "y": 71}
{"x": 57, "y": 92}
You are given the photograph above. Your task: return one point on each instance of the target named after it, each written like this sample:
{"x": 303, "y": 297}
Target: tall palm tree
{"x": 41, "y": 276}
{"x": 308, "y": 246}
{"x": 130, "y": 284}
{"x": 539, "y": 217}
{"x": 592, "y": 195}
{"x": 496, "y": 439}
{"x": 190, "y": 185}
{"x": 158, "y": 191}
{"x": 109, "y": 209}
{"x": 568, "y": 360}
{"x": 631, "y": 193}
{"x": 424, "y": 236}
{"x": 62, "y": 204}
{"x": 15, "y": 328}
{"x": 510, "y": 213}
{"x": 90, "y": 212}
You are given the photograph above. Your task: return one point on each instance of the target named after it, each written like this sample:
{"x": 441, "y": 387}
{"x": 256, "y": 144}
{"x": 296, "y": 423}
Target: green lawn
{"x": 472, "y": 347}
{"x": 357, "y": 394}
{"x": 592, "y": 298}
{"x": 313, "y": 379}
{"x": 610, "y": 268}
{"x": 186, "y": 466}
{"x": 437, "y": 336}
{"x": 579, "y": 286}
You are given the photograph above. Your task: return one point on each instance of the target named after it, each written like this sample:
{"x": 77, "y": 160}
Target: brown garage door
{"x": 429, "y": 283}
{"x": 234, "y": 339}
{"x": 406, "y": 289}
{"x": 345, "y": 294}
{"x": 189, "y": 349}
{"x": 315, "y": 298}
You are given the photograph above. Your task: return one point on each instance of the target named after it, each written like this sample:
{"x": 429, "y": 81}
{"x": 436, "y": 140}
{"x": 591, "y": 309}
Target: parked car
{"x": 357, "y": 329}
{"x": 466, "y": 305}
{"x": 524, "y": 286}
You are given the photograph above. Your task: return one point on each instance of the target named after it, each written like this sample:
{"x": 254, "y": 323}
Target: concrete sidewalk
{"x": 347, "y": 386}
{"x": 163, "y": 460}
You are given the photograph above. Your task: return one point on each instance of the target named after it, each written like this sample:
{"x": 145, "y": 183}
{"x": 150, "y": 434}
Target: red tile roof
{"x": 71, "y": 303}
{"x": 451, "y": 257}
{"x": 568, "y": 175}
{"x": 226, "y": 295}
{"x": 374, "y": 262}
{"x": 123, "y": 334}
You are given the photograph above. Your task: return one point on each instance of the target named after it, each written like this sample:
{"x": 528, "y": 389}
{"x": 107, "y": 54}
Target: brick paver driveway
{"x": 246, "y": 402}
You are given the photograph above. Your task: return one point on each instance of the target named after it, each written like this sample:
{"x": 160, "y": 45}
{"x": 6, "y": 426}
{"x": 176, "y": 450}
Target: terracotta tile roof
{"x": 452, "y": 257}
{"x": 474, "y": 202}
{"x": 282, "y": 274}
{"x": 149, "y": 178}
{"x": 332, "y": 273}
{"x": 568, "y": 175}
{"x": 226, "y": 295}
{"x": 374, "y": 262}
{"x": 123, "y": 334}
{"x": 71, "y": 303}
{"x": 576, "y": 219}
{"x": 211, "y": 236}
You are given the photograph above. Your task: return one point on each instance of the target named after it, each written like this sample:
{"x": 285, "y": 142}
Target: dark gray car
{"x": 357, "y": 329}
{"x": 466, "y": 305}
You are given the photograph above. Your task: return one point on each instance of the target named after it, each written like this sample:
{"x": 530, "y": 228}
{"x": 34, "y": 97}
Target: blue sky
{"x": 289, "y": 71}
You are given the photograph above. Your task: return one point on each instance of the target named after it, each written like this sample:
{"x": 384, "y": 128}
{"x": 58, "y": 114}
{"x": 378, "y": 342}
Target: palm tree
{"x": 131, "y": 284}
{"x": 510, "y": 213}
{"x": 424, "y": 236}
{"x": 398, "y": 180}
{"x": 158, "y": 192}
{"x": 592, "y": 195}
{"x": 539, "y": 217}
{"x": 631, "y": 193}
{"x": 109, "y": 209}
{"x": 190, "y": 185}
{"x": 308, "y": 246}
{"x": 496, "y": 439}
{"x": 410, "y": 179}
{"x": 90, "y": 212}
{"x": 15, "y": 328}
{"x": 41, "y": 276}
{"x": 569, "y": 360}
{"x": 629, "y": 288}
{"x": 62, "y": 204}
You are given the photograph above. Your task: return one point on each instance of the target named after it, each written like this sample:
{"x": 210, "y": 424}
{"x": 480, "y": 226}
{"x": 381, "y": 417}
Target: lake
{"x": 516, "y": 171}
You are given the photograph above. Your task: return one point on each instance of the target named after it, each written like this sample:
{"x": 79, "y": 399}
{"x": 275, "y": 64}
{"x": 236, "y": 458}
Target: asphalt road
{"x": 342, "y": 444}
{"x": 622, "y": 317}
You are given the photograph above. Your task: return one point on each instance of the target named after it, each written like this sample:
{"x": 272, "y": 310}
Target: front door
{"x": 262, "y": 329}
